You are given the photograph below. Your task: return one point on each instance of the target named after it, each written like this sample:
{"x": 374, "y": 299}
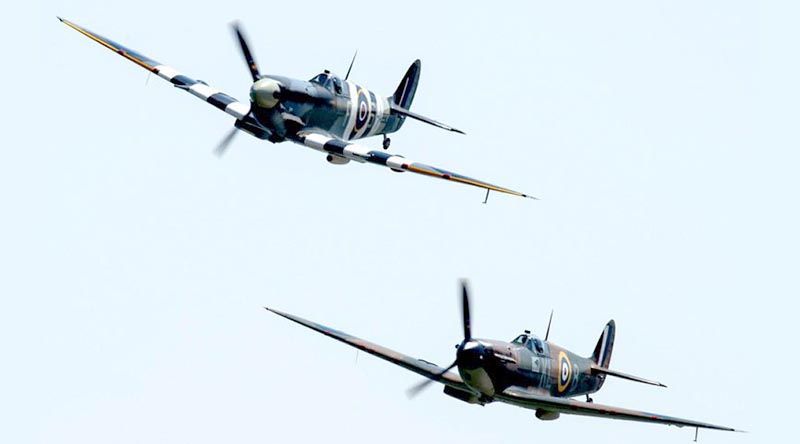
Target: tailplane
{"x": 609, "y": 372}
{"x": 602, "y": 358}
{"x": 401, "y": 102}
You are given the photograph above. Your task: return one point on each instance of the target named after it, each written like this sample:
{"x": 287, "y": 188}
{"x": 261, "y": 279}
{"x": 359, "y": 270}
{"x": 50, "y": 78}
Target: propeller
{"x": 266, "y": 92}
{"x": 263, "y": 94}
{"x": 466, "y": 319}
{"x": 222, "y": 147}
{"x": 422, "y": 385}
{"x": 248, "y": 56}
{"x": 266, "y": 96}
{"x": 467, "y": 323}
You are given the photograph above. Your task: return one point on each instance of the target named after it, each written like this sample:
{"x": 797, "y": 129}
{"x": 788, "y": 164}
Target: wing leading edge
{"x": 522, "y": 397}
{"x": 197, "y": 88}
{"x": 518, "y": 396}
{"x": 418, "y": 366}
{"x": 362, "y": 154}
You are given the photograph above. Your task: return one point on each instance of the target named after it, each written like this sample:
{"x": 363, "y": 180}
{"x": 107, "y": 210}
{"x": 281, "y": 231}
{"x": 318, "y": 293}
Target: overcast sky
{"x": 660, "y": 136}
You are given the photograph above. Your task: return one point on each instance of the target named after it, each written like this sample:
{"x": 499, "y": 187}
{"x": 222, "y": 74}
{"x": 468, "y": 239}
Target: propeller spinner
{"x": 265, "y": 91}
{"x": 264, "y": 94}
{"x": 267, "y": 94}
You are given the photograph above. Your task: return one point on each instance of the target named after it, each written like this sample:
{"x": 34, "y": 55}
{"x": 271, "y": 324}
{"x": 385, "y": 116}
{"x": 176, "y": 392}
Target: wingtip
{"x": 730, "y": 429}
{"x": 278, "y": 312}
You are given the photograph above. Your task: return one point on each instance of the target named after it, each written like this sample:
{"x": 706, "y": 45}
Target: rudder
{"x": 402, "y": 97}
{"x": 602, "y": 358}
{"x": 404, "y": 94}
{"x": 400, "y": 103}
{"x": 605, "y": 345}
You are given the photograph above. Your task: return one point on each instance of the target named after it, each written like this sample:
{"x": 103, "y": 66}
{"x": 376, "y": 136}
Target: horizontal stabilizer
{"x": 397, "y": 109}
{"x": 596, "y": 369}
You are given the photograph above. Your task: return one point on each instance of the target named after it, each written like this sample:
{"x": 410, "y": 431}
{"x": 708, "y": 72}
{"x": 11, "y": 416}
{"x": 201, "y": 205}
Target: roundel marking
{"x": 362, "y": 112}
{"x": 564, "y": 372}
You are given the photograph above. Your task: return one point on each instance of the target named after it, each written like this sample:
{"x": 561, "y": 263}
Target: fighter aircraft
{"x": 324, "y": 113}
{"x": 527, "y": 372}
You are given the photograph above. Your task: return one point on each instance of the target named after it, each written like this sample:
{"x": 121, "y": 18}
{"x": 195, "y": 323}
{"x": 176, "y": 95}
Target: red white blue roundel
{"x": 362, "y": 110}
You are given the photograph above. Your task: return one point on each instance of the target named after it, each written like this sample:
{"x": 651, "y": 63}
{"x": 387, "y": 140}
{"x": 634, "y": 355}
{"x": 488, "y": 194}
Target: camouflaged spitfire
{"x": 527, "y": 372}
{"x": 324, "y": 113}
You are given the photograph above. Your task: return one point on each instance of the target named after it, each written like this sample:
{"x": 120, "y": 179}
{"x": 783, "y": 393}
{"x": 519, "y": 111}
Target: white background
{"x": 660, "y": 136}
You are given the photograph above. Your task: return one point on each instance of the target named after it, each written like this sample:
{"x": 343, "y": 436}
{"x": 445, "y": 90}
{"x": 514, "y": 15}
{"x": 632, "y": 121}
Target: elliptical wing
{"x": 522, "y": 397}
{"x": 197, "y": 88}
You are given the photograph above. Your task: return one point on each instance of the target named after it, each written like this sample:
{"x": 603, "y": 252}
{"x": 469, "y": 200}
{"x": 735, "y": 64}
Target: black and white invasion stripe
{"x": 358, "y": 153}
{"x": 201, "y": 90}
{"x": 352, "y": 151}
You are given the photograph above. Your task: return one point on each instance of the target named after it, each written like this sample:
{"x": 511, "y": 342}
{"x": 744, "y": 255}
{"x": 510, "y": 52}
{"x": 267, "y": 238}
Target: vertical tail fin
{"x": 404, "y": 94}
{"x": 602, "y": 358}
{"x": 402, "y": 97}
{"x": 605, "y": 345}
{"x": 401, "y": 101}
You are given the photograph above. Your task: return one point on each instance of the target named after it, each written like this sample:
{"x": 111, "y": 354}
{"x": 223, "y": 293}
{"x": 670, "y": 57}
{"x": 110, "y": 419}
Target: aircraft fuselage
{"x": 491, "y": 366}
{"x": 337, "y": 107}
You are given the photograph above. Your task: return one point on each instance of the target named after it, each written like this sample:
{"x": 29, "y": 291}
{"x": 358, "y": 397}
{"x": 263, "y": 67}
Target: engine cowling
{"x": 547, "y": 415}
{"x": 337, "y": 160}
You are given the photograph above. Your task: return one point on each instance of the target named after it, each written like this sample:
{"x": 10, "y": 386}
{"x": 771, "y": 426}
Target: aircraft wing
{"x": 523, "y": 397}
{"x": 418, "y": 366}
{"x": 247, "y": 123}
{"x": 358, "y": 153}
{"x": 197, "y": 88}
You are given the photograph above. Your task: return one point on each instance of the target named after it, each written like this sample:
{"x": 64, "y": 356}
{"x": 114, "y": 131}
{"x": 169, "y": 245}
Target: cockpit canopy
{"x": 328, "y": 81}
{"x": 530, "y": 341}
{"x": 321, "y": 79}
{"x": 521, "y": 339}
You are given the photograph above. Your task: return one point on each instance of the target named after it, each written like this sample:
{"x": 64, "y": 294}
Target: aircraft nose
{"x": 473, "y": 355}
{"x": 265, "y": 92}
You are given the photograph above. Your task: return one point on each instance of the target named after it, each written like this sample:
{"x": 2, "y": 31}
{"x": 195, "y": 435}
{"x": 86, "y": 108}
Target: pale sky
{"x": 660, "y": 136}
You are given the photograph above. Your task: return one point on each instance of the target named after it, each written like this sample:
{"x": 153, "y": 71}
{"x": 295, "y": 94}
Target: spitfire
{"x": 527, "y": 372}
{"x": 325, "y": 113}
